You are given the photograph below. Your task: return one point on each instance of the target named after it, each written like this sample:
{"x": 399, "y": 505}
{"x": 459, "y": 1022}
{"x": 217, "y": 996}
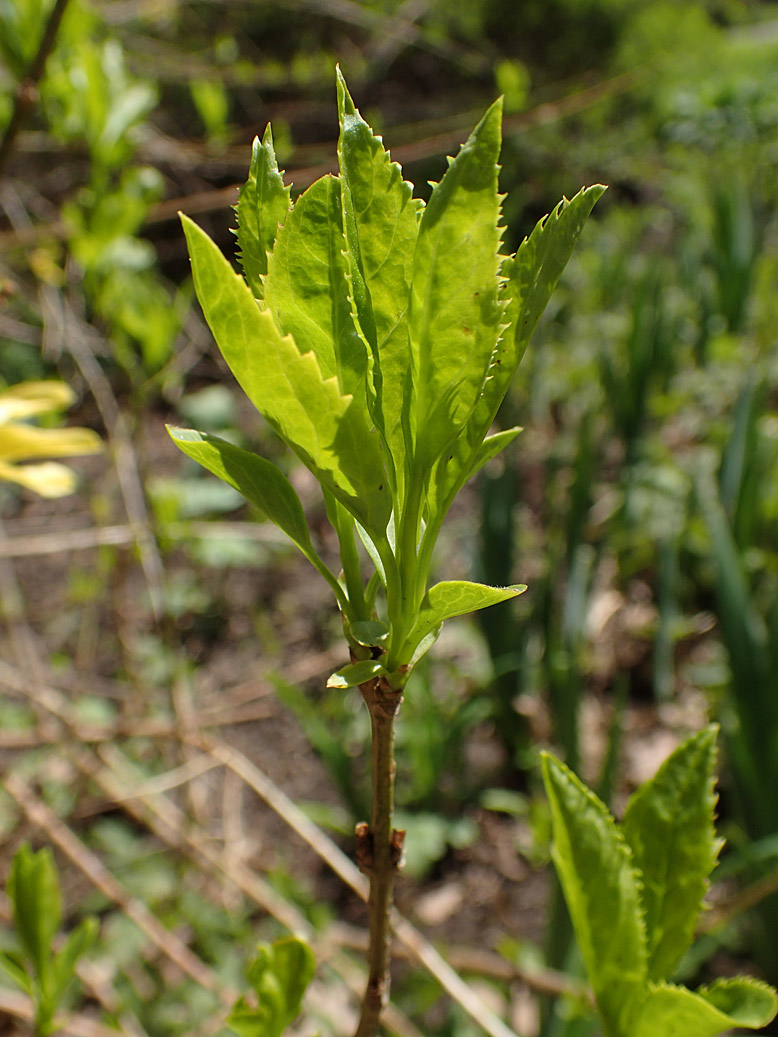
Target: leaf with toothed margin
{"x": 381, "y": 224}
{"x": 708, "y": 1012}
{"x": 602, "y": 890}
{"x": 455, "y": 315}
{"x": 533, "y": 274}
{"x": 306, "y": 287}
{"x": 327, "y": 430}
{"x": 262, "y": 205}
{"x": 669, "y": 827}
{"x": 530, "y": 278}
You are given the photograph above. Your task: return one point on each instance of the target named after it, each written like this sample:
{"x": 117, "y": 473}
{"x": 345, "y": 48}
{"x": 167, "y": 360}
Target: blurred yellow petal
{"x": 49, "y": 479}
{"x": 18, "y": 442}
{"x": 28, "y": 398}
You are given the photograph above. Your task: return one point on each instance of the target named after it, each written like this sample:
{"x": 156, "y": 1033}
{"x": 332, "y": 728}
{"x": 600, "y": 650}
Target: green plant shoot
{"x": 279, "y": 976}
{"x": 40, "y": 971}
{"x": 635, "y": 892}
{"x": 378, "y": 337}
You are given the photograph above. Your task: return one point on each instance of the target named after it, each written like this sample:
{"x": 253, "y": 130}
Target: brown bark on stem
{"x": 379, "y": 850}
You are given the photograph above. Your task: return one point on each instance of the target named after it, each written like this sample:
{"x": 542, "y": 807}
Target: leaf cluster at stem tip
{"x": 378, "y": 336}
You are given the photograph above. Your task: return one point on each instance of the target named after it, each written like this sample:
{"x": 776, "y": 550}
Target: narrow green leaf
{"x": 327, "y": 430}
{"x": 601, "y": 888}
{"x": 535, "y": 270}
{"x": 492, "y": 446}
{"x": 259, "y": 480}
{"x": 356, "y": 673}
{"x": 306, "y": 287}
{"x": 12, "y": 964}
{"x": 381, "y": 223}
{"x": 456, "y": 598}
{"x": 279, "y": 976}
{"x": 669, "y": 827}
{"x": 455, "y": 317}
{"x": 261, "y": 483}
{"x": 37, "y": 908}
{"x": 77, "y": 944}
{"x": 262, "y": 206}
{"x": 678, "y": 1012}
{"x": 294, "y": 966}
{"x": 530, "y": 278}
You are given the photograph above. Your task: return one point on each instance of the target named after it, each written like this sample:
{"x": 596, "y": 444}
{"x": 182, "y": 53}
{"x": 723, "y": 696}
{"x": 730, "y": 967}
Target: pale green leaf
{"x": 77, "y": 944}
{"x": 356, "y": 673}
{"x": 12, "y": 964}
{"x": 33, "y": 890}
{"x": 748, "y": 1002}
{"x": 669, "y": 827}
{"x": 262, "y": 206}
{"x": 492, "y": 446}
{"x": 294, "y": 966}
{"x": 601, "y": 887}
{"x": 306, "y": 287}
{"x": 456, "y": 598}
{"x": 279, "y": 976}
{"x": 327, "y": 430}
{"x": 369, "y": 632}
{"x": 533, "y": 274}
{"x": 530, "y": 279}
{"x": 259, "y": 480}
{"x": 677, "y": 1012}
{"x": 381, "y": 221}
{"x": 455, "y": 317}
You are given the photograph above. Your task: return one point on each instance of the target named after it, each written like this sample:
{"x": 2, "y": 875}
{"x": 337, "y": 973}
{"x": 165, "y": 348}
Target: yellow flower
{"x": 21, "y": 441}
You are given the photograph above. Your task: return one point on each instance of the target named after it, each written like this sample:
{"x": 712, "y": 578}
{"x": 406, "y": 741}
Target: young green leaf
{"x": 746, "y": 1001}
{"x": 533, "y": 273}
{"x": 279, "y": 976}
{"x": 530, "y": 278}
{"x": 306, "y": 287}
{"x": 669, "y": 827}
{"x": 327, "y": 430}
{"x": 456, "y": 598}
{"x": 294, "y": 966}
{"x": 260, "y": 481}
{"x": 601, "y": 887}
{"x": 356, "y": 673}
{"x": 34, "y": 893}
{"x": 455, "y": 318}
{"x": 12, "y": 964}
{"x": 678, "y": 1012}
{"x": 381, "y": 224}
{"x": 64, "y": 965}
{"x": 369, "y": 633}
{"x": 262, "y": 206}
